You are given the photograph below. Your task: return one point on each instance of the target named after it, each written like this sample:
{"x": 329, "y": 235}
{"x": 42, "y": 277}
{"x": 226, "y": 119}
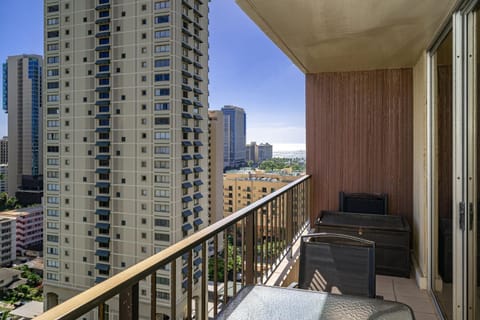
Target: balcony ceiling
{"x": 349, "y": 35}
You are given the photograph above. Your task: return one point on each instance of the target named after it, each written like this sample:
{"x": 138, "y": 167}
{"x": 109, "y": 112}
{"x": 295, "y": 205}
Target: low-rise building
{"x": 7, "y": 241}
{"x": 242, "y": 189}
{"x": 29, "y": 227}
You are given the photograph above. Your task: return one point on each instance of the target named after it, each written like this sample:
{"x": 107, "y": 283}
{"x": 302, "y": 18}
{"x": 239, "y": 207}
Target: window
{"x": 52, "y": 47}
{"x": 102, "y": 41}
{"x": 162, "y": 19}
{"x": 104, "y": 27}
{"x": 162, "y": 92}
{"x": 162, "y": 121}
{"x": 52, "y": 21}
{"x": 53, "y": 263}
{"x": 162, "y": 223}
{"x": 104, "y": 54}
{"x": 162, "y": 48}
{"x": 104, "y": 68}
{"x": 159, "y": 63}
{"x": 104, "y": 81}
{"x": 52, "y": 85}
{"x": 51, "y": 250}
{"x": 162, "y": 34}
{"x": 103, "y": 14}
{"x": 53, "y": 276}
{"x": 162, "y": 193}
{"x": 53, "y": 213}
{"x": 53, "y": 162}
{"x": 162, "y": 178}
{"x": 54, "y": 59}
{"x": 53, "y": 149}
{"x": 52, "y": 238}
{"x": 162, "y": 135}
{"x": 162, "y": 150}
{"x": 162, "y": 237}
{"x": 162, "y": 5}
{"x": 160, "y": 106}
{"x": 53, "y": 187}
{"x": 161, "y": 164}
{"x": 162, "y": 77}
{"x": 52, "y": 34}
{"x": 52, "y": 72}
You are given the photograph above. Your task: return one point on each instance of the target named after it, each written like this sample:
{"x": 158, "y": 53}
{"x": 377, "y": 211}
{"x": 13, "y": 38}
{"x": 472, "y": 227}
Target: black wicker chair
{"x": 337, "y": 263}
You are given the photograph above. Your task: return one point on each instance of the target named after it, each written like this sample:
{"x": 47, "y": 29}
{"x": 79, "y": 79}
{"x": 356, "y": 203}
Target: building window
{"x": 162, "y": 5}
{"x": 159, "y": 63}
{"x": 162, "y": 48}
{"x": 162, "y": 19}
{"x": 162, "y": 34}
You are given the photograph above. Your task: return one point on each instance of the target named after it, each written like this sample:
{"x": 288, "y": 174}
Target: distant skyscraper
{"x": 4, "y": 150}
{"x": 265, "y": 152}
{"x": 251, "y": 152}
{"x": 22, "y": 100}
{"x": 258, "y": 152}
{"x": 235, "y": 125}
{"x": 216, "y": 143}
{"x": 126, "y": 139}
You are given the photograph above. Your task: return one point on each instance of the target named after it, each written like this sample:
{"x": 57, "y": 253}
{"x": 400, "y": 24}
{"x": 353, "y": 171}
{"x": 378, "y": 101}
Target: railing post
{"x": 250, "y": 248}
{"x": 128, "y": 303}
{"x": 289, "y": 219}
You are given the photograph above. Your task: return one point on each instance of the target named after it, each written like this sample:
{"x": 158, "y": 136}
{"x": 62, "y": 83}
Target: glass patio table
{"x": 263, "y": 302}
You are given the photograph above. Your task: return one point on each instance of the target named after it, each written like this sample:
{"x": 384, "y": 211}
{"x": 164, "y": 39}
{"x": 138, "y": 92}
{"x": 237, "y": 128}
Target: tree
{"x": 221, "y": 264}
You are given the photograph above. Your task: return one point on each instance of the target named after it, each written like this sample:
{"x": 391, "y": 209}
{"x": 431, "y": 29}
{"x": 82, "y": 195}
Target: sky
{"x": 246, "y": 69}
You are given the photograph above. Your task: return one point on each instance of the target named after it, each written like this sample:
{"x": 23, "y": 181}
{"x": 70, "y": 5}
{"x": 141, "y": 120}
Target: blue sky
{"x": 246, "y": 68}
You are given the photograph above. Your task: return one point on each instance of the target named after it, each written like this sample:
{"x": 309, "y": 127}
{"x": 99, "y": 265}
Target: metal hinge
{"x": 461, "y": 221}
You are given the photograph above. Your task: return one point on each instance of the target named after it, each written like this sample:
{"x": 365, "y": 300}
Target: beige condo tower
{"x": 126, "y": 132}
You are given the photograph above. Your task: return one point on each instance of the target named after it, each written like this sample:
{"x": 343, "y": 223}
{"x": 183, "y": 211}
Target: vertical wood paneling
{"x": 359, "y": 136}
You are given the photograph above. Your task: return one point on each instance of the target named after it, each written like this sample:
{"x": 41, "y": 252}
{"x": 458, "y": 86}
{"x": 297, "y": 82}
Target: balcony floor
{"x": 406, "y": 291}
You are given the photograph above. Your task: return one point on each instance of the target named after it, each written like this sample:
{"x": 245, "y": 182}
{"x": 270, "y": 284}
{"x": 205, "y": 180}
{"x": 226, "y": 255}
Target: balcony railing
{"x": 256, "y": 238}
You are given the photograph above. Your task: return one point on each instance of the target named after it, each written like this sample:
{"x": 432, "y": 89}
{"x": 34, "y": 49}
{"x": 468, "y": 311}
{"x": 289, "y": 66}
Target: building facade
{"x": 22, "y": 101}
{"x": 242, "y": 189}
{"x": 216, "y": 142}
{"x": 3, "y": 178}
{"x": 235, "y": 124}
{"x": 7, "y": 241}
{"x": 126, "y": 139}
{"x": 265, "y": 152}
{"x": 4, "y": 150}
{"x": 29, "y": 228}
{"x": 257, "y": 153}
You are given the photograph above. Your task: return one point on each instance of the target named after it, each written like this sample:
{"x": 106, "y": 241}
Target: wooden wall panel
{"x": 359, "y": 136}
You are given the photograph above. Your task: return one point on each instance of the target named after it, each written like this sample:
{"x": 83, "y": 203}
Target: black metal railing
{"x": 248, "y": 246}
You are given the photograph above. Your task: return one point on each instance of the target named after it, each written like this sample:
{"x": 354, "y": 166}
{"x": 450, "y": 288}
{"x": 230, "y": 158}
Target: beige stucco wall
{"x": 420, "y": 209}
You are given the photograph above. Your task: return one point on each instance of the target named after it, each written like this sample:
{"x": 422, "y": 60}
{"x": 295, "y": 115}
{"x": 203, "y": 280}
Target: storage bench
{"x": 390, "y": 233}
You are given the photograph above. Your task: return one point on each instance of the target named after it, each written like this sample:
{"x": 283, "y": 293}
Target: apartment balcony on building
{"x": 390, "y": 109}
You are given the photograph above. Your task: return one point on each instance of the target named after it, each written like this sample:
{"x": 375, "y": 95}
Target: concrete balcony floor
{"x": 406, "y": 291}
{"x": 403, "y": 290}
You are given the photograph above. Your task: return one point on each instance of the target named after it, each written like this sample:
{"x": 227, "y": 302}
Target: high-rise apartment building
{"x": 22, "y": 100}
{"x": 258, "y": 152}
{"x": 126, "y": 140}
{"x": 3, "y": 178}
{"x": 235, "y": 124}
{"x": 265, "y": 151}
{"x": 216, "y": 142}
{"x": 4, "y": 150}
